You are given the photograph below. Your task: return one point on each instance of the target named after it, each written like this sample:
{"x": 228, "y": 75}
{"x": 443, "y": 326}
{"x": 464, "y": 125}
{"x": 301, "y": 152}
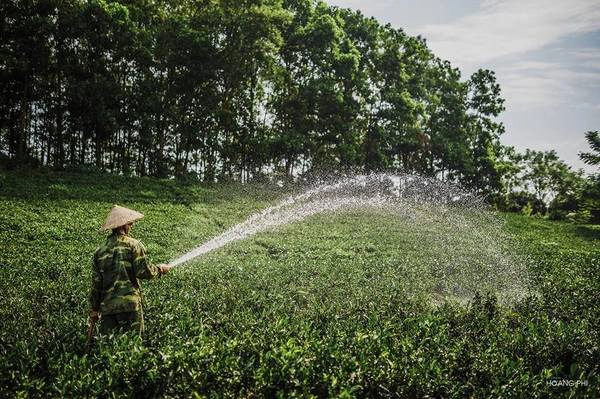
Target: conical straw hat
{"x": 120, "y": 216}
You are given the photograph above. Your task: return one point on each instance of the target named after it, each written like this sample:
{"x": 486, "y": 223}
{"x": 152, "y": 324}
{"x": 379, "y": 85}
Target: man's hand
{"x": 164, "y": 268}
{"x": 94, "y": 316}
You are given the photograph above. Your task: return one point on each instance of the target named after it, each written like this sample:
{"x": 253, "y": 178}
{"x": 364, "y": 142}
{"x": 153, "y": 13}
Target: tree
{"x": 550, "y": 180}
{"x": 447, "y": 123}
{"x": 589, "y": 203}
{"x": 593, "y": 157}
{"x": 225, "y": 89}
{"x": 484, "y": 105}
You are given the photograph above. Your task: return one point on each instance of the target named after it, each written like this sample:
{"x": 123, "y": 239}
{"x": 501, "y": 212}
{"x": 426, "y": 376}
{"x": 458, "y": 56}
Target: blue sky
{"x": 546, "y": 55}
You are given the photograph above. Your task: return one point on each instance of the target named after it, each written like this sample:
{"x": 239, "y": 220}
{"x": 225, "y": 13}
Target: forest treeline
{"x": 223, "y": 89}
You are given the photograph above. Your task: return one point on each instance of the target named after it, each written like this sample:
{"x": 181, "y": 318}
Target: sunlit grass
{"x": 352, "y": 304}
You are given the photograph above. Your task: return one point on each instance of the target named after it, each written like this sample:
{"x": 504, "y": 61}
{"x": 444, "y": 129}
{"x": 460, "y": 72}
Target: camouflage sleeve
{"x": 96, "y": 291}
{"x": 141, "y": 266}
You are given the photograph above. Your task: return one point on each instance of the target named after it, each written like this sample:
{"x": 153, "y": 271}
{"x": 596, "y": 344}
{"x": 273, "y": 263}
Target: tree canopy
{"x": 236, "y": 90}
{"x": 222, "y": 89}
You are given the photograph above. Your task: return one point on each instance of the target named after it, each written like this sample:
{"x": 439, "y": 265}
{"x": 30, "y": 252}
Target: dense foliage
{"x": 315, "y": 309}
{"x": 540, "y": 183}
{"x": 224, "y": 90}
{"x": 236, "y": 90}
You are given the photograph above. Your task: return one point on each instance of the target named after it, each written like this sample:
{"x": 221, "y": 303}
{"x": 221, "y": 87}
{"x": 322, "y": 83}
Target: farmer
{"x": 116, "y": 297}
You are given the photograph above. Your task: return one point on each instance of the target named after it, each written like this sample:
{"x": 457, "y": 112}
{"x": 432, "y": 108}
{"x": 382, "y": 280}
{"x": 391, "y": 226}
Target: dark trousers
{"x": 122, "y": 322}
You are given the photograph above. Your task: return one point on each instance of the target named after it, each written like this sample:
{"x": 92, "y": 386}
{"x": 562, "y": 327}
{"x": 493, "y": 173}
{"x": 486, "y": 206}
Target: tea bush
{"x": 326, "y": 307}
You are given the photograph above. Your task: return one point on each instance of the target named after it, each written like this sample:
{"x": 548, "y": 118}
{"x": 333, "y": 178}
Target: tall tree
{"x": 484, "y": 105}
{"x": 224, "y": 89}
{"x": 593, "y": 157}
{"x": 589, "y": 201}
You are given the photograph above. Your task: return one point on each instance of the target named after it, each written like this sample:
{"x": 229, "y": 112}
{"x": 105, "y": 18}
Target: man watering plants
{"x": 116, "y": 297}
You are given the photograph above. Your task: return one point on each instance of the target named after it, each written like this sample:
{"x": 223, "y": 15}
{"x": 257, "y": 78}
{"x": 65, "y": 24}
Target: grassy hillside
{"x": 338, "y": 305}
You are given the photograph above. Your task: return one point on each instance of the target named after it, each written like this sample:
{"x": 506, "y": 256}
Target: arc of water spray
{"x": 355, "y": 192}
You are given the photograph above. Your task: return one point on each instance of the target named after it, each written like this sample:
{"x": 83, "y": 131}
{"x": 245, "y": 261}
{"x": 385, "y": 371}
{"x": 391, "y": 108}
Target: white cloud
{"x": 548, "y": 70}
{"x": 510, "y": 27}
{"x": 585, "y": 53}
{"x": 545, "y": 83}
{"x": 592, "y": 106}
{"x": 503, "y": 34}
{"x": 584, "y": 57}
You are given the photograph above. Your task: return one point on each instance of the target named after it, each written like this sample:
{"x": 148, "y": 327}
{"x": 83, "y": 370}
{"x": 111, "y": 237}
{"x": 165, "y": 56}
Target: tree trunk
{"x": 98, "y": 153}
{"x": 21, "y": 135}
{"x": 59, "y": 156}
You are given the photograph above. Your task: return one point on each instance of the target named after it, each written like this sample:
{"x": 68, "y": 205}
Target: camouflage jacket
{"x": 118, "y": 264}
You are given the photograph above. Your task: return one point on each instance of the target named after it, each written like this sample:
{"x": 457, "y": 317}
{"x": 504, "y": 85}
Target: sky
{"x": 546, "y": 55}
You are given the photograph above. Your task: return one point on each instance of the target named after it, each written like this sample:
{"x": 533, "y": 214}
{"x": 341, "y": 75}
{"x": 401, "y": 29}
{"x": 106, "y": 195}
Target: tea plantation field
{"x": 329, "y": 307}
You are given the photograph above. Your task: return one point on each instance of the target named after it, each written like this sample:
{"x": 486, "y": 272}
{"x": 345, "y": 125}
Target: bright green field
{"x": 333, "y": 306}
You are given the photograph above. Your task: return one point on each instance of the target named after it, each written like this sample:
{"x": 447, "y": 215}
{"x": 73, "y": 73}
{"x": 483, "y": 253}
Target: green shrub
{"x": 328, "y": 307}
